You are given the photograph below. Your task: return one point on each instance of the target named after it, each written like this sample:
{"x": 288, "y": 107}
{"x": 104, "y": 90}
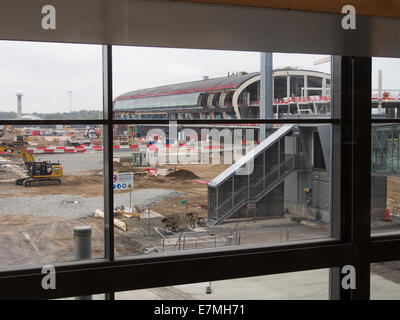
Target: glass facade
{"x": 187, "y": 100}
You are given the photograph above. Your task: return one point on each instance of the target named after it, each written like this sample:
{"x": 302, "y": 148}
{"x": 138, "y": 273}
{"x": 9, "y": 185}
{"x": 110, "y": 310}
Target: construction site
{"x": 194, "y": 187}
{"x": 169, "y": 209}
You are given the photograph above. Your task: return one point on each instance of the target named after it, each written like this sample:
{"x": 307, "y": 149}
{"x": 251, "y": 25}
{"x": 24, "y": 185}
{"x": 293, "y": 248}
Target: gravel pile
{"x": 183, "y": 175}
{"x": 145, "y": 198}
{"x": 77, "y": 207}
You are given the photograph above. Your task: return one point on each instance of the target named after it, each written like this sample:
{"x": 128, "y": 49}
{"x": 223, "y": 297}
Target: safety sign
{"x": 123, "y": 181}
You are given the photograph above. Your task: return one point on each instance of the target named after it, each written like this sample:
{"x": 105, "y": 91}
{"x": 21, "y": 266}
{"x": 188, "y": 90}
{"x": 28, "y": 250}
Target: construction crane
{"x": 40, "y": 173}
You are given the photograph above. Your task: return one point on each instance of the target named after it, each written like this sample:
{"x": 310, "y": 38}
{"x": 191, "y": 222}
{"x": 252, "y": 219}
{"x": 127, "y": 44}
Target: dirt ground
{"x": 90, "y": 184}
{"x": 393, "y": 191}
{"x": 37, "y": 239}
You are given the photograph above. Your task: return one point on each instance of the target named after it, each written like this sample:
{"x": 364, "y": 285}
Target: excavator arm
{"x": 24, "y": 155}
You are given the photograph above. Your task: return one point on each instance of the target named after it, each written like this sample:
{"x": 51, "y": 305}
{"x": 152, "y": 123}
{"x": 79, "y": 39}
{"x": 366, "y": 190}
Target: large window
{"x": 203, "y": 185}
{"x": 190, "y": 153}
{"x": 385, "y": 163}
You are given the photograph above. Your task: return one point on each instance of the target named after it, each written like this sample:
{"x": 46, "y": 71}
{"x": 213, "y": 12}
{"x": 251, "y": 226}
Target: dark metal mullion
{"x": 385, "y": 120}
{"x": 356, "y": 168}
{"x": 227, "y": 121}
{"x": 15, "y": 271}
{"x": 385, "y": 250}
{"x": 96, "y": 277}
{"x": 361, "y": 206}
{"x": 355, "y": 94}
{"x": 108, "y": 159}
{"x": 159, "y": 121}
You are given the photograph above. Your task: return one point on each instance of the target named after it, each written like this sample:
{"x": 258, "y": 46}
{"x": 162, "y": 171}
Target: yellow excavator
{"x": 40, "y": 173}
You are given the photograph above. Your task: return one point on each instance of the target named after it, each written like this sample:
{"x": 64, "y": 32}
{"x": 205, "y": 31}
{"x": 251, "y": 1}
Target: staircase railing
{"x": 281, "y": 173}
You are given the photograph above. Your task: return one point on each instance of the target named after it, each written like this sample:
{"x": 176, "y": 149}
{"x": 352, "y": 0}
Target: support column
{"x": 305, "y": 86}
{"x": 380, "y": 92}
{"x": 266, "y": 94}
{"x": 324, "y": 86}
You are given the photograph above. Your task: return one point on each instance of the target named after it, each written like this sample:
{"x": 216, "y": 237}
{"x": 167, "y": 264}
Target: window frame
{"x": 351, "y": 79}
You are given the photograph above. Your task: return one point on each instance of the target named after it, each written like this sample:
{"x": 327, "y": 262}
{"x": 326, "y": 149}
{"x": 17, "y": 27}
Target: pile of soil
{"x": 183, "y": 175}
{"x": 11, "y": 171}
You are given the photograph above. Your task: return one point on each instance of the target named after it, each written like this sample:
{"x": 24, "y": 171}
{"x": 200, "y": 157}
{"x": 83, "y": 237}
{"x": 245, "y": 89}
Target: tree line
{"x": 74, "y": 115}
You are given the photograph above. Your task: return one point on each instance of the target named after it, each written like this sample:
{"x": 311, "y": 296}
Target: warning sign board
{"x": 123, "y": 181}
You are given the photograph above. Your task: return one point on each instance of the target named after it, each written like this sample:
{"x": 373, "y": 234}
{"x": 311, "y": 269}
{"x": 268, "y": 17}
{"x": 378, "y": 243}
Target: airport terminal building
{"x": 235, "y": 96}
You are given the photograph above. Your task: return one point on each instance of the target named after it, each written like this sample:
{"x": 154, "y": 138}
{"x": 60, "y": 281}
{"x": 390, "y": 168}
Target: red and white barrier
{"x": 56, "y": 149}
{"x": 83, "y": 149}
{"x": 135, "y": 146}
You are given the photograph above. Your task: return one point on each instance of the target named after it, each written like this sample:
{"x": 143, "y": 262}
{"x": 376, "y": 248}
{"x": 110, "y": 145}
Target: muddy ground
{"x": 27, "y": 239}
{"x": 37, "y": 239}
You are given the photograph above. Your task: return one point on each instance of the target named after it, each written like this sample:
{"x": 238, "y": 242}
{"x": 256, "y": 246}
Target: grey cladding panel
{"x": 378, "y": 191}
{"x": 320, "y": 194}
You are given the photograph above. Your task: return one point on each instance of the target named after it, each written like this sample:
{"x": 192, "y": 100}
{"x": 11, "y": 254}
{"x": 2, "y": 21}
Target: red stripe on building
{"x": 170, "y": 93}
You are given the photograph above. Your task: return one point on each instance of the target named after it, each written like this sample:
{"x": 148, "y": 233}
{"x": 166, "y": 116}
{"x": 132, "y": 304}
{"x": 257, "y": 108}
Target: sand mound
{"x": 183, "y": 175}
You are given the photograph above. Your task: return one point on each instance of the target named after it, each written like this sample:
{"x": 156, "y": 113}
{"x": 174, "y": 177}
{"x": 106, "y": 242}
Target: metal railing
{"x": 277, "y": 170}
{"x": 213, "y": 239}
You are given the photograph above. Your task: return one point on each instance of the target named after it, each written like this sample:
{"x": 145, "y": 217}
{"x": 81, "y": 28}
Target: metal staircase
{"x": 268, "y": 164}
{"x": 385, "y": 149}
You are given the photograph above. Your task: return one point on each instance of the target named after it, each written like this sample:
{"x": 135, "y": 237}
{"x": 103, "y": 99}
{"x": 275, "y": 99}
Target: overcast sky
{"x": 46, "y": 72}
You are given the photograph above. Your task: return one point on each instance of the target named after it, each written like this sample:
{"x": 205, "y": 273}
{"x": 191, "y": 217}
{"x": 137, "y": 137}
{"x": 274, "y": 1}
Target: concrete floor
{"x": 305, "y": 285}
{"x": 382, "y": 289}
{"x": 297, "y": 285}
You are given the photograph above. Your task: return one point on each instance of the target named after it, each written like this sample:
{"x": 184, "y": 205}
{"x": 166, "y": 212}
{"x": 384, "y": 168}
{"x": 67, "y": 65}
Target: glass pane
{"x": 50, "y": 81}
{"x": 385, "y": 159}
{"x": 385, "y": 89}
{"x": 385, "y": 180}
{"x": 51, "y": 181}
{"x": 167, "y": 83}
{"x": 385, "y": 281}
{"x": 206, "y": 187}
{"x": 304, "y": 285}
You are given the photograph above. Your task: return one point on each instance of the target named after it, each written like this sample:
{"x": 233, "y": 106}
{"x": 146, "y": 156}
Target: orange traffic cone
{"x": 387, "y": 216}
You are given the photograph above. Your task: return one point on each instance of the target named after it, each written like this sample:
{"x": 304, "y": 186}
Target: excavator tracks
{"x": 40, "y": 182}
